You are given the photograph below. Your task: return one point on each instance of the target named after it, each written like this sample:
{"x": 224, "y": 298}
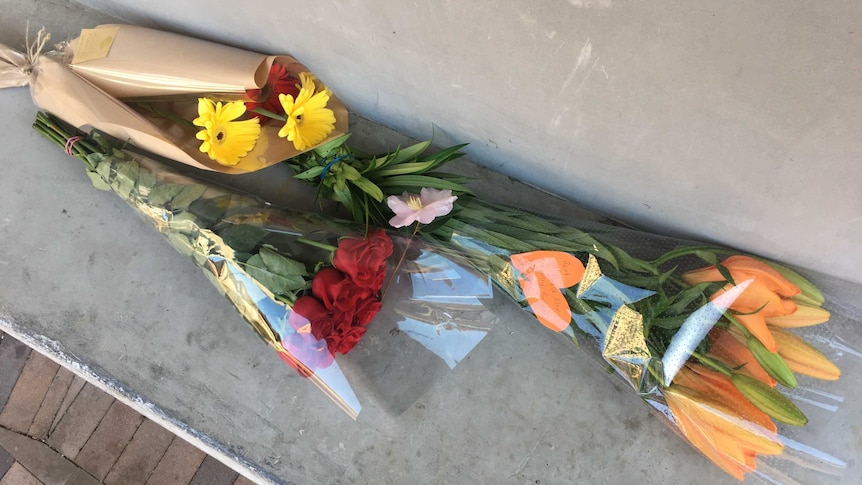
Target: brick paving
{"x": 55, "y": 429}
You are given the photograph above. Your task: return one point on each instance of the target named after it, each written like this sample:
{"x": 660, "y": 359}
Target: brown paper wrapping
{"x": 110, "y": 63}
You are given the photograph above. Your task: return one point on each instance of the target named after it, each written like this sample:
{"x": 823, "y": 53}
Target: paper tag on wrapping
{"x": 94, "y": 44}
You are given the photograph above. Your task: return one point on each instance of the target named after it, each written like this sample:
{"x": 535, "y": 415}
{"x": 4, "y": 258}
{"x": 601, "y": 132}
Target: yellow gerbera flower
{"x": 226, "y": 141}
{"x": 309, "y": 121}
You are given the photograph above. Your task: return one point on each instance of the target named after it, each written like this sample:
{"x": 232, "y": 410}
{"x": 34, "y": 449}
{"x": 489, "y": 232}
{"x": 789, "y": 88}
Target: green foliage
{"x": 363, "y": 182}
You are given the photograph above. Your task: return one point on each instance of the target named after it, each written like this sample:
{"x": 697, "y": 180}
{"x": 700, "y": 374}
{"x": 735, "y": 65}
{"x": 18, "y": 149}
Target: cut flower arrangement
{"x": 706, "y": 335}
{"x": 309, "y": 286}
{"x": 301, "y": 106}
{"x": 207, "y": 105}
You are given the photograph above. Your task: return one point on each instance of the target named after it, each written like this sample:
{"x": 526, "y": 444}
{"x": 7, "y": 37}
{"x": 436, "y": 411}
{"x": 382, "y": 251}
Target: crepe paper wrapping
{"x": 167, "y": 70}
{"x": 435, "y": 301}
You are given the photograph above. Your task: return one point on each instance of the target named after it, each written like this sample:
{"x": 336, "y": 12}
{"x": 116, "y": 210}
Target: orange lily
{"x": 767, "y": 296}
{"x": 743, "y": 268}
{"x": 735, "y": 354}
{"x": 732, "y": 441}
{"x": 803, "y": 358}
{"x": 720, "y": 388}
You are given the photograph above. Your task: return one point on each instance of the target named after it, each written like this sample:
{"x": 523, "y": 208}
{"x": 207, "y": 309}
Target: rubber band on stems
{"x": 70, "y": 143}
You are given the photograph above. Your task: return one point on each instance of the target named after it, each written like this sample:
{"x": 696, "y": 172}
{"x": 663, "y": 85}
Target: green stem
{"x": 269, "y": 114}
{"x": 712, "y": 364}
{"x": 400, "y": 261}
{"x": 167, "y": 115}
{"x": 316, "y": 244}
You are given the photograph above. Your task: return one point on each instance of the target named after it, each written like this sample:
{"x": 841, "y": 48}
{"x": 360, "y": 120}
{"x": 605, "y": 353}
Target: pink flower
{"x": 425, "y": 207}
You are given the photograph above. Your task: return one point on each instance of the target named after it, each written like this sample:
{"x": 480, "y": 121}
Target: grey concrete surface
{"x": 99, "y": 290}
{"x": 713, "y": 120}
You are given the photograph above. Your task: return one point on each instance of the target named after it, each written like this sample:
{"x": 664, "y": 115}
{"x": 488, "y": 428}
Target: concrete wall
{"x": 738, "y": 122}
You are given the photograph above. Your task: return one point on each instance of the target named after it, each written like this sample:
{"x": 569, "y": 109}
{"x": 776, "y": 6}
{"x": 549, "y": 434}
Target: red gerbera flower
{"x": 280, "y": 81}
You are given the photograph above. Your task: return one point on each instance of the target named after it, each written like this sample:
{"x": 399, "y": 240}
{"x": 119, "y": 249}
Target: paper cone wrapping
{"x": 106, "y": 67}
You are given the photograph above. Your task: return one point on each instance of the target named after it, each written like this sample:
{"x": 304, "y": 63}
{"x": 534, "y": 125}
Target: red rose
{"x": 305, "y": 310}
{"x": 364, "y": 259}
{"x": 328, "y": 285}
{"x": 365, "y": 311}
{"x": 309, "y": 310}
{"x": 343, "y": 341}
{"x": 339, "y": 294}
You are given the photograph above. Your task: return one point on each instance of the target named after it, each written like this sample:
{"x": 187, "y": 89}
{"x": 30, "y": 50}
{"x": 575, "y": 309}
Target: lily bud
{"x": 772, "y": 363}
{"x": 809, "y": 293}
{"x": 804, "y": 359}
{"x": 804, "y": 316}
{"x": 768, "y": 400}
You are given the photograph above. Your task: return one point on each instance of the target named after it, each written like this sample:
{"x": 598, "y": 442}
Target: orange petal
{"x": 773, "y": 280}
{"x": 740, "y": 431}
{"x": 721, "y": 388}
{"x": 758, "y": 298}
{"x": 699, "y": 439}
{"x": 742, "y": 268}
{"x": 756, "y": 324}
{"x": 729, "y": 441}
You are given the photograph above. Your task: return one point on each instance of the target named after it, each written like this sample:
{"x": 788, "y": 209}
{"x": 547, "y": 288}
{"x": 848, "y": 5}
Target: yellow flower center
{"x": 414, "y": 203}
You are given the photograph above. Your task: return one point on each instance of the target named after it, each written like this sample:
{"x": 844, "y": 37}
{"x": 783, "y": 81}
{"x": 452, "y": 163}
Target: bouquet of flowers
{"x": 309, "y": 286}
{"x": 706, "y": 335}
{"x": 207, "y": 105}
{"x": 728, "y": 347}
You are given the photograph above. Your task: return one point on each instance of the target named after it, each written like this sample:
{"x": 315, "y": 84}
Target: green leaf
{"x": 342, "y": 193}
{"x": 421, "y": 181}
{"x": 447, "y": 154}
{"x": 275, "y": 283}
{"x": 406, "y": 168}
{"x": 94, "y": 159}
{"x": 403, "y": 155}
{"x": 146, "y": 182}
{"x": 349, "y": 172}
{"x": 98, "y": 181}
{"x": 680, "y": 303}
{"x": 270, "y": 114}
{"x": 409, "y": 153}
{"x": 323, "y": 150}
{"x": 722, "y": 269}
{"x": 279, "y": 264}
{"x": 311, "y": 173}
{"x": 127, "y": 176}
{"x": 707, "y": 256}
{"x": 187, "y": 195}
{"x": 242, "y": 237}
{"x": 668, "y": 323}
{"x": 209, "y": 211}
{"x": 161, "y": 194}
{"x": 369, "y": 188}
{"x": 104, "y": 169}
